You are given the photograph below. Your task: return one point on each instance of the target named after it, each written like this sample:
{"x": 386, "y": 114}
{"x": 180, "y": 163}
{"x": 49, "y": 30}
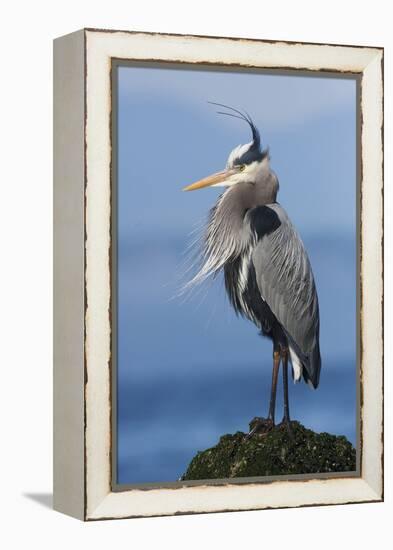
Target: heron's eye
{"x": 242, "y": 167}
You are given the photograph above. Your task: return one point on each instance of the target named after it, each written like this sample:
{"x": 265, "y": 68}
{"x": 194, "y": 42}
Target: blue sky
{"x": 188, "y": 369}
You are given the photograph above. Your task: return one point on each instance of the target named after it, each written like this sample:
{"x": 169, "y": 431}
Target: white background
{"x": 26, "y": 272}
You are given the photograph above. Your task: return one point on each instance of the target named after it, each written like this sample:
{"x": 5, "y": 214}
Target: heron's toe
{"x": 259, "y": 426}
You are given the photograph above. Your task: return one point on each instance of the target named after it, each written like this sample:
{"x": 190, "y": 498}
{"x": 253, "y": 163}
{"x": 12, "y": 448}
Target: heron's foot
{"x": 260, "y": 426}
{"x": 285, "y": 424}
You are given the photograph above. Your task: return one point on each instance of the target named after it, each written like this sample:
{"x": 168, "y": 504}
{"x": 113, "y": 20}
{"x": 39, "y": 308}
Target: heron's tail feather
{"x": 312, "y": 368}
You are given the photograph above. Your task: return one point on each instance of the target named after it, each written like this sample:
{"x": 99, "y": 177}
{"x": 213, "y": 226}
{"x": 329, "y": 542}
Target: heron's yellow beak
{"x": 218, "y": 177}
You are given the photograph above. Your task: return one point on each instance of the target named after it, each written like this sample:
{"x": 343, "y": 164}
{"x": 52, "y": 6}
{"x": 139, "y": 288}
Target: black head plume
{"x": 254, "y": 153}
{"x": 242, "y": 116}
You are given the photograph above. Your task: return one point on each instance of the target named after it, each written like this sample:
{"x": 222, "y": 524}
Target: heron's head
{"x": 246, "y": 163}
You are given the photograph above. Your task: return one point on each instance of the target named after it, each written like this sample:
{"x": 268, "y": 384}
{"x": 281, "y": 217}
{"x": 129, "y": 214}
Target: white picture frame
{"x": 82, "y": 268}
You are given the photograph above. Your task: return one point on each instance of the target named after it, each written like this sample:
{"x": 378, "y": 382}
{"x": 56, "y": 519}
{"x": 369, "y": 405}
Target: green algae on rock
{"x": 274, "y": 453}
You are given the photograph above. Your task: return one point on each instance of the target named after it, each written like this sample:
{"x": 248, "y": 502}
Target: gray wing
{"x": 286, "y": 282}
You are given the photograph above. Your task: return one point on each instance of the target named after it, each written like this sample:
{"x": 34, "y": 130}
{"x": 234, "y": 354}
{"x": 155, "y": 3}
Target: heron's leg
{"x": 263, "y": 425}
{"x": 284, "y": 356}
{"x": 273, "y": 391}
{"x": 286, "y": 421}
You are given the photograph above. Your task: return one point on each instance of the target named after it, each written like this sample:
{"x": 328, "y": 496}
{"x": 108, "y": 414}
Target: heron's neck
{"x": 227, "y": 237}
{"x": 239, "y": 198}
{"x": 227, "y": 234}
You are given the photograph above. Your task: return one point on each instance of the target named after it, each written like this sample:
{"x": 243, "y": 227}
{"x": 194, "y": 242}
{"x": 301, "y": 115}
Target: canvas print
{"x": 236, "y": 346}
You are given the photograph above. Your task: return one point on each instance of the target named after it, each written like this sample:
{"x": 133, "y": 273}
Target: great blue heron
{"x": 268, "y": 276}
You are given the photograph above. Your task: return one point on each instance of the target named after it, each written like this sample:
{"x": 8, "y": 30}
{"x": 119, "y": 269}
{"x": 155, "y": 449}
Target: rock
{"x": 273, "y": 453}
